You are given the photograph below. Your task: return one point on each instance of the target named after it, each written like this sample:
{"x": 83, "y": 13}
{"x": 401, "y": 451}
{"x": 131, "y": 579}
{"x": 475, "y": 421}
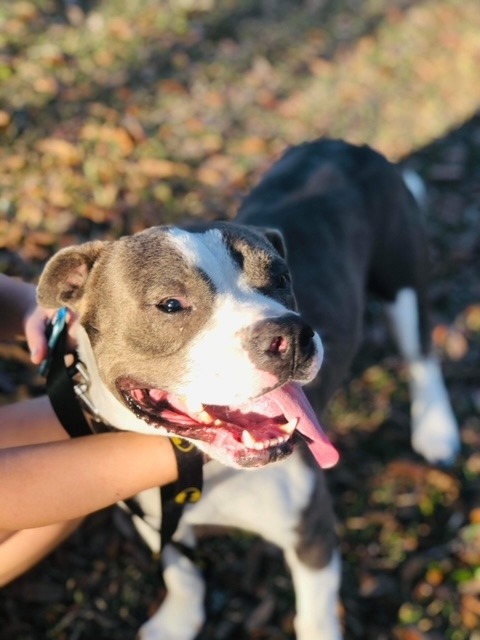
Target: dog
{"x": 178, "y": 325}
{"x": 193, "y": 334}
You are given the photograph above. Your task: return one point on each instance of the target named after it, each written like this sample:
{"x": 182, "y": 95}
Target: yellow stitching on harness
{"x": 191, "y": 494}
{"x": 182, "y": 445}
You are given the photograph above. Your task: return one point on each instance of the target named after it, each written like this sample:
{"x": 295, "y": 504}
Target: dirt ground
{"x": 111, "y": 122}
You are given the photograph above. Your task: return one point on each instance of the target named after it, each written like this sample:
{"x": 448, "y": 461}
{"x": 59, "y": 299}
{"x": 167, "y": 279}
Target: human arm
{"x": 17, "y": 300}
{"x": 52, "y": 481}
{"x": 21, "y": 315}
{"x": 44, "y": 476}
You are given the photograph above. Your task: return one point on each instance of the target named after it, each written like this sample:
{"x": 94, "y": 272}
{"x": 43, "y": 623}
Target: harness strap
{"x": 60, "y": 388}
{"x": 187, "y": 489}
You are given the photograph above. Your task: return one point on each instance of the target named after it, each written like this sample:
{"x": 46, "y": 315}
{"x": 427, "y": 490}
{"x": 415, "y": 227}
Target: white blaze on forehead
{"x": 209, "y": 252}
{"x": 219, "y": 368}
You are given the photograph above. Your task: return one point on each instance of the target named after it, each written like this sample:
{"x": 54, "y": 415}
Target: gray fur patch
{"x": 316, "y": 530}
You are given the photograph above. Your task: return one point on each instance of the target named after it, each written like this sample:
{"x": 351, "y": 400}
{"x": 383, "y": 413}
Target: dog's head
{"x": 195, "y": 332}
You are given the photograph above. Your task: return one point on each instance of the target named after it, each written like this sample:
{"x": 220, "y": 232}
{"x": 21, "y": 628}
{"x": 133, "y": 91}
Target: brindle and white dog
{"x": 194, "y": 333}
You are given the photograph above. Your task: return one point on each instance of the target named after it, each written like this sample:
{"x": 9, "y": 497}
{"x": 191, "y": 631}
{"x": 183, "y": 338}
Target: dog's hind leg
{"x": 435, "y": 432}
{"x": 181, "y": 615}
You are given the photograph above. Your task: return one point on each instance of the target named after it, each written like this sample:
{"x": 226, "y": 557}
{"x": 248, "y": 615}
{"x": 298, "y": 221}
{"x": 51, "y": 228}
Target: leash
{"x": 67, "y": 388}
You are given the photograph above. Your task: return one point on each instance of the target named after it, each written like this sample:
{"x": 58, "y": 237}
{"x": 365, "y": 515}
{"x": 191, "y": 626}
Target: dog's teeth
{"x": 248, "y": 440}
{"x": 205, "y": 418}
{"x": 289, "y": 428}
{"x": 194, "y": 406}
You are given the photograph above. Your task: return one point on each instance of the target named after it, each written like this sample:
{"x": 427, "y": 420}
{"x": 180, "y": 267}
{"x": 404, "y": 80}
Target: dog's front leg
{"x": 316, "y": 598}
{"x": 182, "y": 614}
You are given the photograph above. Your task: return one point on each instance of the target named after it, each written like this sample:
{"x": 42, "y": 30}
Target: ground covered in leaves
{"x": 114, "y": 119}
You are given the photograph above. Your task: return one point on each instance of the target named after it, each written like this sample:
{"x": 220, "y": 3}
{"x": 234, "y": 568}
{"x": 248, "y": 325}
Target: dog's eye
{"x": 171, "y": 305}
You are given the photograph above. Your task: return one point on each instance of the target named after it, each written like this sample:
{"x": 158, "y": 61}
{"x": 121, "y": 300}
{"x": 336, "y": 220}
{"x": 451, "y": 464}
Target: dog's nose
{"x": 282, "y": 346}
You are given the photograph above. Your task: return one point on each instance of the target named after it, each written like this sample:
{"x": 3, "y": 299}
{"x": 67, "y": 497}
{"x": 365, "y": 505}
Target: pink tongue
{"x": 293, "y": 403}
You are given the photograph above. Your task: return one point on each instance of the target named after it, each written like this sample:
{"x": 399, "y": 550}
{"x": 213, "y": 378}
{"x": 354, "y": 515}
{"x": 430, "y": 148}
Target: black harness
{"x": 67, "y": 388}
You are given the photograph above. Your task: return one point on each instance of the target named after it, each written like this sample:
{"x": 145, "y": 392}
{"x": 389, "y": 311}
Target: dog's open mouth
{"x": 259, "y": 431}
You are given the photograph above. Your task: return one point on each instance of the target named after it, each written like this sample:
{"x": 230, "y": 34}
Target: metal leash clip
{"x": 82, "y": 383}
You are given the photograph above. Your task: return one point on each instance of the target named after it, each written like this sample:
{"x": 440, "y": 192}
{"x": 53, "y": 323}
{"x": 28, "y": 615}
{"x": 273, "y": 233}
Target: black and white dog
{"x": 207, "y": 345}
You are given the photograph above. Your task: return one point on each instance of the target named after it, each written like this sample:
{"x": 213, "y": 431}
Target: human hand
{"x": 35, "y": 323}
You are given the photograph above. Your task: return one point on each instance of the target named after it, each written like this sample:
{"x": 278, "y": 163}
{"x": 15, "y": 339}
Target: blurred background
{"x": 116, "y": 116}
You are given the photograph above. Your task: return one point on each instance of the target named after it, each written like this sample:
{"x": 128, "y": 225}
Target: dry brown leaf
{"x": 470, "y": 610}
{"x": 472, "y": 318}
{"x": 409, "y": 633}
{"x": 121, "y": 28}
{"x": 440, "y": 335}
{"x": 456, "y": 346}
{"x": 250, "y": 146}
{"x": 214, "y": 99}
{"x": 96, "y": 213}
{"x": 475, "y": 515}
{"x": 172, "y": 86}
{"x": 435, "y": 576}
{"x": 117, "y": 136}
{"x": 14, "y": 162}
{"x": 5, "y": 118}
{"x": 104, "y": 58}
{"x": 209, "y": 176}
{"x": 105, "y": 195}
{"x": 158, "y": 168}
{"x": 30, "y": 213}
{"x": 46, "y": 84}
{"x": 59, "y": 197}
{"x": 63, "y": 150}
{"x": 134, "y": 128}
{"x": 11, "y": 234}
{"x": 25, "y": 10}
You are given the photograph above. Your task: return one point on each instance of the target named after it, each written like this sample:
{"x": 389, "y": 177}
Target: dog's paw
{"x": 181, "y": 614}
{"x": 155, "y": 630}
{"x": 164, "y": 626}
{"x": 435, "y": 434}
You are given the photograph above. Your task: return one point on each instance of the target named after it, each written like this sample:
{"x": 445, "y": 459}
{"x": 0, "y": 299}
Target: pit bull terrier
{"x": 353, "y": 226}
{"x": 194, "y": 333}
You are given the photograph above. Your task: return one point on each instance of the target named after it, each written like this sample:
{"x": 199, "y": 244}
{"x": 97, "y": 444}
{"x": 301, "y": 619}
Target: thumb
{"x": 35, "y": 325}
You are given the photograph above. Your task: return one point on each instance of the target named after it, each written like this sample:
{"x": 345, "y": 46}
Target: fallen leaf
{"x": 157, "y": 168}
{"x": 113, "y": 136}
{"x": 209, "y": 176}
{"x": 65, "y": 151}
{"x": 472, "y": 318}
{"x": 5, "y": 118}
{"x": 46, "y": 84}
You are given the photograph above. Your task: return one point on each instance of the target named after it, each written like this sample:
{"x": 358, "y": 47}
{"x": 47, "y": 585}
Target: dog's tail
{"x": 417, "y": 188}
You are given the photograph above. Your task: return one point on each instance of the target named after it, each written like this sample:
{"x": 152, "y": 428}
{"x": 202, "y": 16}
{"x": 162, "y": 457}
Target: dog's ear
{"x": 62, "y": 282}
{"x": 276, "y": 239}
